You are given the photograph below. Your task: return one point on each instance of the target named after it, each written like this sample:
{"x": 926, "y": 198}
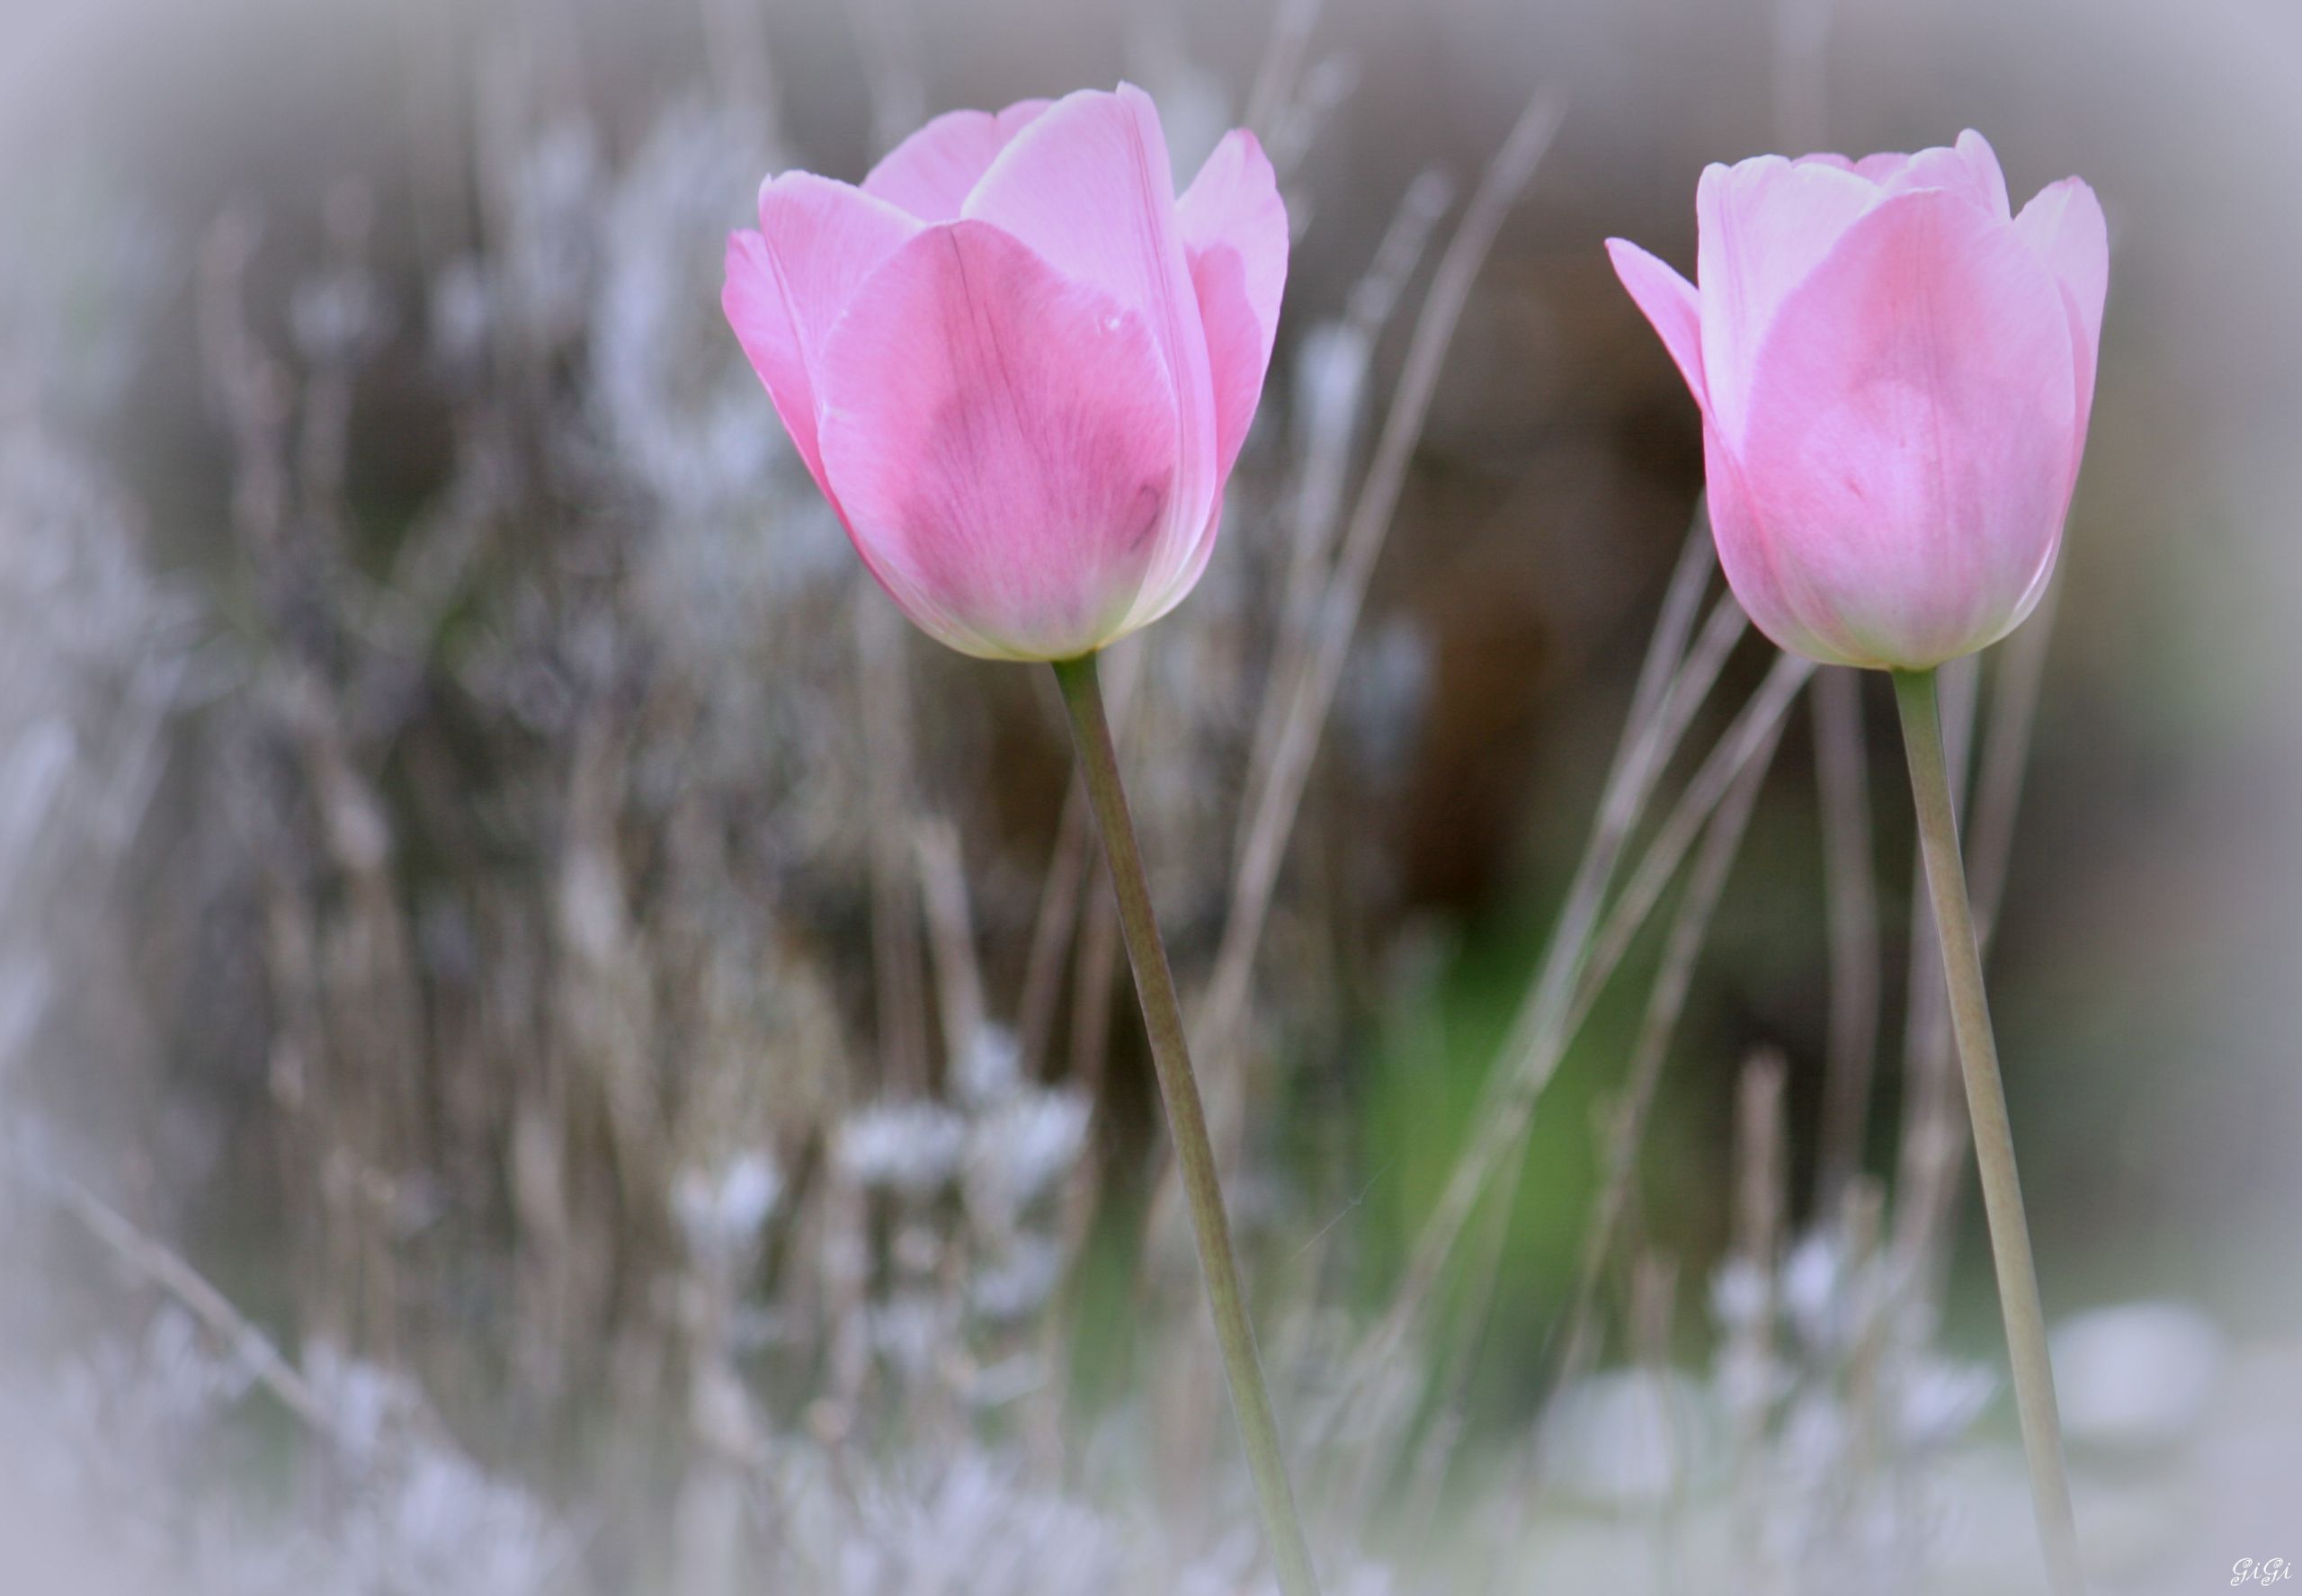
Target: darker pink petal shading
{"x": 931, "y": 174}
{"x": 1003, "y": 442}
{"x": 1911, "y": 435}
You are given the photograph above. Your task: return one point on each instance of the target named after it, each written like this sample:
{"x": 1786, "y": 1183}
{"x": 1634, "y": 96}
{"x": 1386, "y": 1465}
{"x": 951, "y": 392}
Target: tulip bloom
{"x": 1017, "y": 365}
{"x": 1894, "y": 374}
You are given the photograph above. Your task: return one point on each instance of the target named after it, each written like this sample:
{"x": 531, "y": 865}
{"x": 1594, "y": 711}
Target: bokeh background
{"x": 546, "y": 1044}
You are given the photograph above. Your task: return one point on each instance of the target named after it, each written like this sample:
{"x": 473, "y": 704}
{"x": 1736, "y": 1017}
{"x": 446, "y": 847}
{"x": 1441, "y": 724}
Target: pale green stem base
{"x": 2010, "y": 1232}
{"x": 1163, "y": 1018}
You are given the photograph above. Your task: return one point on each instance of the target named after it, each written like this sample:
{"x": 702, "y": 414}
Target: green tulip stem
{"x": 1163, "y": 1018}
{"x": 2010, "y": 1233}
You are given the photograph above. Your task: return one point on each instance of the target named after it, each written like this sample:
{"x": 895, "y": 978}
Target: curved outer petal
{"x": 1672, "y": 307}
{"x": 1911, "y": 435}
{"x": 932, "y": 173}
{"x": 1748, "y": 560}
{"x": 1088, "y": 187}
{"x": 1762, "y": 227}
{"x": 1879, "y": 169}
{"x": 1001, "y": 442}
{"x": 787, "y": 284}
{"x": 1970, "y": 168}
{"x": 1234, "y": 236}
{"x": 2064, "y": 223}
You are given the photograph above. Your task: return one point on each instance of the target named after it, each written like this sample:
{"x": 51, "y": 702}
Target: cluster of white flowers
{"x": 108, "y": 1462}
{"x": 1002, "y": 1146}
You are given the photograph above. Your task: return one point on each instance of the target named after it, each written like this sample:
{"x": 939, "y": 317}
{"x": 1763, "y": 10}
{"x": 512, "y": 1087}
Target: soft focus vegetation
{"x": 548, "y": 1045}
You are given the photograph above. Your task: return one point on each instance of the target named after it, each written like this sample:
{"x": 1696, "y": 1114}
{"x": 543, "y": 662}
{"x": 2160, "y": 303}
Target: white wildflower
{"x": 912, "y": 1147}
{"x": 1017, "y": 1152}
{"x": 1018, "y": 1283}
{"x": 1626, "y": 1438}
{"x": 722, "y": 1213}
{"x": 2136, "y": 1375}
{"x": 1938, "y": 1400}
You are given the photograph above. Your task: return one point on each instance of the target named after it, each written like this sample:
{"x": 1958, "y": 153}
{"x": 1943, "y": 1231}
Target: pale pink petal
{"x": 1970, "y": 169}
{"x": 1087, "y": 188}
{"x": 1911, "y": 435}
{"x": 752, "y": 298}
{"x": 930, "y": 173}
{"x": 1762, "y": 227}
{"x": 1175, "y": 585}
{"x": 1879, "y": 168}
{"x": 1748, "y": 559}
{"x": 1001, "y": 442}
{"x": 1234, "y": 235}
{"x": 2064, "y": 223}
{"x": 1671, "y": 305}
{"x": 1983, "y": 161}
{"x": 787, "y": 282}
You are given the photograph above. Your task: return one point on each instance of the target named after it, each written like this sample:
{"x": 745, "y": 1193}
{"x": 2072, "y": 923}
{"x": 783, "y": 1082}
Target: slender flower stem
{"x": 1163, "y": 1018}
{"x": 2010, "y": 1233}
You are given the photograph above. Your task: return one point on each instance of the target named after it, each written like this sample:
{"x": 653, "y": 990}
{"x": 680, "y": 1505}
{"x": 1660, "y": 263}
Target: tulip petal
{"x": 1911, "y": 439}
{"x": 1982, "y": 161}
{"x": 787, "y": 284}
{"x": 1087, "y": 188}
{"x": 1762, "y": 225}
{"x": 1003, "y": 444}
{"x": 931, "y": 174}
{"x": 1879, "y": 168}
{"x": 1748, "y": 560}
{"x": 1234, "y": 235}
{"x": 2064, "y": 223}
{"x": 1672, "y": 305}
{"x": 1970, "y": 168}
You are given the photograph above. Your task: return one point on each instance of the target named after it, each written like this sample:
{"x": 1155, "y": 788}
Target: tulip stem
{"x": 2010, "y": 1233}
{"x": 1163, "y": 1018}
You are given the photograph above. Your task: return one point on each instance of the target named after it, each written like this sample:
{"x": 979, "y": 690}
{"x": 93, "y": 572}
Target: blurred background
{"x": 548, "y": 1044}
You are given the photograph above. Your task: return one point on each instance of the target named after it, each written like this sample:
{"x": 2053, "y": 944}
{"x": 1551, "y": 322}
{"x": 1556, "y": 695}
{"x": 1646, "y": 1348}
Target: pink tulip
{"x": 1894, "y": 374}
{"x": 1017, "y": 365}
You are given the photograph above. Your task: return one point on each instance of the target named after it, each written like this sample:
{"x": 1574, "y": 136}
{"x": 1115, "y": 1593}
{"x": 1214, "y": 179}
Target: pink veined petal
{"x": 1001, "y": 443}
{"x": 1234, "y": 236}
{"x": 931, "y": 174}
{"x": 1671, "y": 305}
{"x": 1748, "y": 560}
{"x": 2064, "y": 223}
{"x": 1910, "y": 434}
{"x": 1762, "y": 227}
{"x": 787, "y": 284}
{"x": 1087, "y": 188}
{"x": 1970, "y": 168}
